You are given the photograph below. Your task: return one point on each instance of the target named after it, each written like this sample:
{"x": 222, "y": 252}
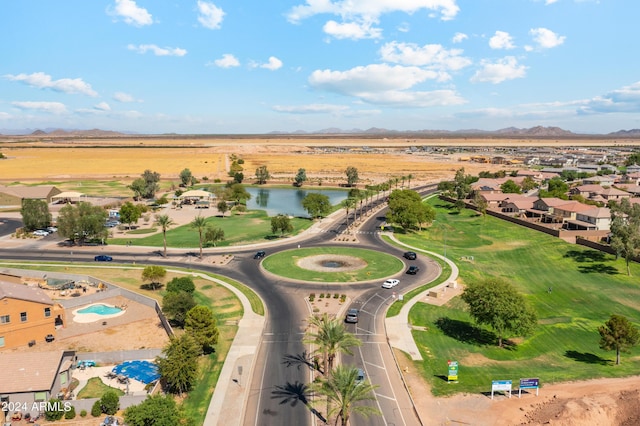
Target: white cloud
{"x": 156, "y": 50}
{"x": 352, "y": 30}
{"x": 371, "y": 9}
{"x": 102, "y": 106}
{"x": 227, "y": 61}
{"x": 123, "y": 97}
{"x": 50, "y": 107}
{"x": 384, "y": 85}
{"x": 210, "y": 16}
{"x": 311, "y": 109}
{"x": 546, "y": 39}
{"x": 459, "y": 37}
{"x": 4, "y": 115}
{"x": 44, "y": 81}
{"x": 131, "y": 13}
{"x": 501, "y": 40}
{"x": 430, "y": 55}
{"x": 626, "y": 99}
{"x": 504, "y": 69}
{"x": 548, "y": 2}
{"x": 273, "y": 64}
{"x": 404, "y": 27}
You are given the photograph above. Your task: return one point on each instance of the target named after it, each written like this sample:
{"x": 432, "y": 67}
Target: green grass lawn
{"x": 251, "y": 227}
{"x": 95, "y": 388}
{"x": 587, "y": 287}
{"x": 379, "y": 265}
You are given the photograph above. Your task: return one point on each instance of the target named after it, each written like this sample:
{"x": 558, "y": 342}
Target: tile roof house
{"x": 28, "y": 378}
{"x": 595, "y": 219}
{"x": 27, "y": 315}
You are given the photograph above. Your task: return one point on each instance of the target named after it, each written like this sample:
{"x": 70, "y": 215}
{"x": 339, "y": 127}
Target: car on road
{"x": 390, "y": 283}
{"x": 410, "y": 255}
{"x": 413, "y": 270}
{"x": 40, "y": 233}
{"x": 260, "y": 254}
{"x": 103, "y": 258}
{"x": 352, "y": 316}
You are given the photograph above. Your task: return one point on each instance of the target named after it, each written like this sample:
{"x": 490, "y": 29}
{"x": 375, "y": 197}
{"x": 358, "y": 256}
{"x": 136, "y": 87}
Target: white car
{"x": 390, "y": 283}
{"x": 40, "y": 233}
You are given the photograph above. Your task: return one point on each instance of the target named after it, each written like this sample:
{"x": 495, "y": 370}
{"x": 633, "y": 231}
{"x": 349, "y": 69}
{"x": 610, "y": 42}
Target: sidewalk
{"x": 398, "y": 327}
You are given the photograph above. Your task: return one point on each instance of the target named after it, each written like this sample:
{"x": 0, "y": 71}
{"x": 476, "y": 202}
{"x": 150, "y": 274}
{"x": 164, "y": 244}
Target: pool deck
{"x": 134, "y": 312}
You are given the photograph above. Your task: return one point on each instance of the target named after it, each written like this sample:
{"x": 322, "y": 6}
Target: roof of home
{"x": 23, "y": 292}
{"x": 29, "y": 371}
{"x": 29, "y": 192}
{"x": 597, "y": 212}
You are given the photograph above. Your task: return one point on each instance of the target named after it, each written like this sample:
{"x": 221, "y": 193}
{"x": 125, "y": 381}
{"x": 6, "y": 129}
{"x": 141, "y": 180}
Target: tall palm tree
{"x": 409, "y": 176}
{"x": 331, "y": 337}
{"x": 199, "y": 223}
{"x": 348, "y": 204}
{"x": 164, "y": 222}
{"x": 343, "y": 390}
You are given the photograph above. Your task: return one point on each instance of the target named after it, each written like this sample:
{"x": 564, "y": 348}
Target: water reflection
{"x": 288, "y": 200}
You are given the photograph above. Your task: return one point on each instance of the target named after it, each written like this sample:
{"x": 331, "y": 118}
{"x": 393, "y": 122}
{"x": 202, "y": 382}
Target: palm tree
{"x": 164, "y": 221}
{"x": 348, "y": 204}
{"x": 331, "y": 337}
{"x": 200, "y": 224}
{"x": 342, "y": 390}
{"x": 409, "y": 176}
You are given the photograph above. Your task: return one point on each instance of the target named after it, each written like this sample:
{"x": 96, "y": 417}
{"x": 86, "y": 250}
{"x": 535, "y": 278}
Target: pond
{"x": 288, "y": 200}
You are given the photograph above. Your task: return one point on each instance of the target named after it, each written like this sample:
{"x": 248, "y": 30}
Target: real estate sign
{"x": 452, "y": 375}
{"x": 501, "y": 386}
{"x": 529, "y": 384}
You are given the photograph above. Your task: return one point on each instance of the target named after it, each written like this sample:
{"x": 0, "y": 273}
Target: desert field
{"x": 32, "y": 160}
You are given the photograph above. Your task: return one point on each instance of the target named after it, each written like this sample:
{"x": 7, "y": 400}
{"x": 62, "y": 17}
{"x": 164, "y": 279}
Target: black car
{"x": 352, "y": 316}
{"x": 103, "y": 258}
{"x": 410, "y": 255}
{"x": 413, "y": 270}
{"x": 260, "y": 254}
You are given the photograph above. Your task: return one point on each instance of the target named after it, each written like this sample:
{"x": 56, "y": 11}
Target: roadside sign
{"x": 452, "y": 375}
{"x": 501, "y": 386}
{"x": 529, "y": 384}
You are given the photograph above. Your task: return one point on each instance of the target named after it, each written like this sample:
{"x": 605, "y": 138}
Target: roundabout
{"x": 333, "y": 265}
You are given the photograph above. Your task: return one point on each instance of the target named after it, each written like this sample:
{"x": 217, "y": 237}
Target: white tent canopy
{"x": 197, "y": 193}
{"x": 68, "y": 196}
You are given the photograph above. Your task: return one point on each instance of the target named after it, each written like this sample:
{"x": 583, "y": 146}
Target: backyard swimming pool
{"x": 100, "y": 309}
{"x": 96, "y": 312}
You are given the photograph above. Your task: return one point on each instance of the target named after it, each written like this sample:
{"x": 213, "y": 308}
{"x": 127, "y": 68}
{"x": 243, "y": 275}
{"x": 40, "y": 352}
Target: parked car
{"x": 390, "y": 283}
{"x": 52, "y": 229}
{"x": 260, "y": 254}
{"x": 49, "y": 338}
{"x": 413, "y": 270}
{"x": 360, "y": 376}
{"x": 40, "y": 233}
{"x": 352, "y": 316}
{"x": 103, "y": 258}
{"x": 410, "y": 255}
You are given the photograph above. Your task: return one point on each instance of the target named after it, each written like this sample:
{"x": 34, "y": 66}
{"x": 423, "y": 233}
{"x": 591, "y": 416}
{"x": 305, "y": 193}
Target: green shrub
{"x": 110, "y": 402}
{"x": 96, "y": 410}
{"x": 71, "y": 413}
{"x": 54, "y": 410}
{"x": 335, "y": 296}
{"x": 83, "y": 413}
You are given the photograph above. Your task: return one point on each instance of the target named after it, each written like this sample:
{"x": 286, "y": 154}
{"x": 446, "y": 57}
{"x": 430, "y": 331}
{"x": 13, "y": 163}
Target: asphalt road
{"x": 277, "y": 387}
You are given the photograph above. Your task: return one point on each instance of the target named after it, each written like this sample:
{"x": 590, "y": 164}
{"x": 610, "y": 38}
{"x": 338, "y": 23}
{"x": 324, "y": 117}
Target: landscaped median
{"x": 318, "y": 264}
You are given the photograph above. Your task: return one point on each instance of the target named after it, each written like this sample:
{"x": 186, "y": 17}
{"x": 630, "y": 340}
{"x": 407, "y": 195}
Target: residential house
{"x": 27, "y": 315}
{"x": 517, "y": 203}
{"x": 30, "y": 378}
{"x": 568, "y": 211}
{"x": 594, "y": 219}
{"x": 13, "y": 195}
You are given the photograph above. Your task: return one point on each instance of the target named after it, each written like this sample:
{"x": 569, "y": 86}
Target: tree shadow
{"x": 151, "y": 286}
{"x": 465, "y": 332}
{"x": 587, "y": 358}
{"x": 586, "y": 255}
{"x": 302, "y": 359}
{"x": 292, "y": 393}
{"x": 598, "y": 268}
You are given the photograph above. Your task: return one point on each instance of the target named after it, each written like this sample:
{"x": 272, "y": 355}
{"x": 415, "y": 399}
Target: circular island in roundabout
{"x": 332, "y": 264}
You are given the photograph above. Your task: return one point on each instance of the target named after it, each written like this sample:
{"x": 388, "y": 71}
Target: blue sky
{"x": 239, "y": 66}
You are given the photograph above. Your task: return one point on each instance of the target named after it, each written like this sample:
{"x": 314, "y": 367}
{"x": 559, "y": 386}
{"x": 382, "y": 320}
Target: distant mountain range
{"x": 533, "y": 132}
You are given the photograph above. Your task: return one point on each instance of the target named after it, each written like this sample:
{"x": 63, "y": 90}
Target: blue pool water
{"x": 100, "y": 310}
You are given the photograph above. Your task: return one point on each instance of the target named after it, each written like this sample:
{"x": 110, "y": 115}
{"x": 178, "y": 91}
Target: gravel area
{"x": 331, "y": 263}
